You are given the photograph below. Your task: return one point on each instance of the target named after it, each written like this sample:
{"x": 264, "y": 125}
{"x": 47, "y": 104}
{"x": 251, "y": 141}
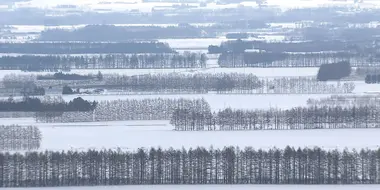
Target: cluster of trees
{"x": 304, "y": 85}
{"x": 339, "y": 100}
{"x": 230, "y": 165}
{"x": 334, "y": 71}
{"x": 239, "y": 46}
{"x": 28, "y": 104}
{"x": 17, "y": 81}
{"x": 85, "y": 47}
{"x": 277, "y": 119}
{"x": 110, "y": 61}
{"x": 305, "y": 59}
{"x": 15, "y": 137}
{"x": 106, "y": 33}
{"x": 130, "y": 109}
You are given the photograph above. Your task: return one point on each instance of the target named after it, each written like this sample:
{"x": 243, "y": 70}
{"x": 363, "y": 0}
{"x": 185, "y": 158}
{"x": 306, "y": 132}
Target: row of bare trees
{"x": 200, "y": 82}
{"x": 277, "y": 119}
{"x": 345, "y": 100}
{"x": 130, "y": 109}
{"x": 303, "y": 59}
{"x": 239, "y": 83}
{"x": 15, "y": 137}
{"x": 108, "y": 61}
{"x": 226, "y": 83}
{"x": 230, "y": 165}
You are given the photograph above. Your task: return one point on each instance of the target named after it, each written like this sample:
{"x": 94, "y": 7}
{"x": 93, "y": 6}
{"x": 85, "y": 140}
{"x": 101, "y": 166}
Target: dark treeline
{"x": 230, "y": 165}
{"x": 28, "y": 104}
{"x": 239, "y": 35}
{"x": 84, "y": 48}
{"x": 277, "y": 119}
{"x": 372, "y": 79}
{"x": 68, "y": 76}
{"x": 309, "y": 59}
{"x": 110, "y": 61}
{"x": 364, "y": 71}
{"x": 341, "y": 33}
{"x": 334, "y": 71}
{"x": 239, "y": 46}
{"x": 106, "y": 33}
{"x": 15, "y": 137}
{"x": 131, "y": 109}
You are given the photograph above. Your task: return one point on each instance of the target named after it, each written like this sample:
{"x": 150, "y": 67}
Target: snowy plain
{"x": 260, "y": 72}
{"x": 131, "y": 135}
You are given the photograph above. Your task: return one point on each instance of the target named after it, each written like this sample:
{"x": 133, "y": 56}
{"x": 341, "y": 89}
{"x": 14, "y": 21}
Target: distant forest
{"x": 84, "y": 48}
{"x": 106, "y": 33}
{"x": 194, "y": 166}
{"x": 239, "y": 46}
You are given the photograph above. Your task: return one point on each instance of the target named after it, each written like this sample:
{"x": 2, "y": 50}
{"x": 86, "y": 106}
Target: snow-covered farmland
{"x": 260, "y": 72}
{"x": 219, "y": 187}
{"x": 136, "y": 134}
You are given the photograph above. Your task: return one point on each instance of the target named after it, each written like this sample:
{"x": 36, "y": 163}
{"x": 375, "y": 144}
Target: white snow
{"x": 130, "y": 135}
{"x": 218, "y": 187}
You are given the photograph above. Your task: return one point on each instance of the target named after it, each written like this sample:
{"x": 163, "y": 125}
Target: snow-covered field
{"x": 219, "y": 187}
{"x": 130, "y": 135}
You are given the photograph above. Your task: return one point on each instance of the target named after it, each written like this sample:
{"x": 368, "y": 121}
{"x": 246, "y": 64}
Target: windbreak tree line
{"x": 336, "y": 117}
{"x": 286, "y": 59}
{"x": 240, "y": 46}
{"x": 230, "y": 165}
{"x": 200, "y": 82}
{"x": 130, "y": 109}
{"x": 345, "y": 101}
{"x": 108, "y": 61}
{"x": 106, "y": 33}
{"x": 372, "y": 79}
{"x": 223, "y": 83}
{"x": 68, "y": 76}
{"x": 36, "y": 105}
{"x": 85, "y": 47}
{"x": 15, "y": 137}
